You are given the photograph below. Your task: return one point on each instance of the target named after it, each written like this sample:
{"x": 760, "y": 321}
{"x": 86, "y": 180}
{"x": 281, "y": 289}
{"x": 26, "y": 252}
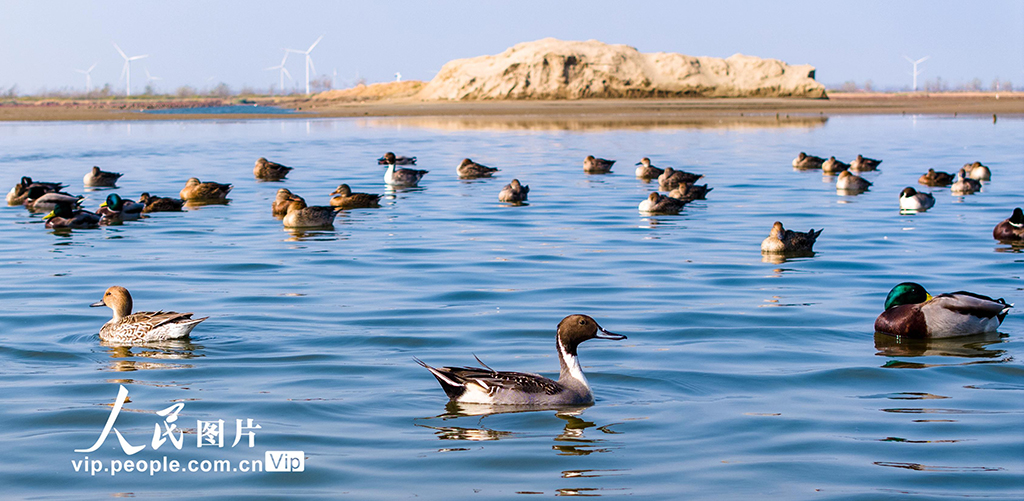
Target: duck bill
{"x": 928, "y": 297}
{"x": 639, "y": 163}
{"x": 97, "y": 303}
{"x": 51, "y": 215}
{"x": 603, "y": 334}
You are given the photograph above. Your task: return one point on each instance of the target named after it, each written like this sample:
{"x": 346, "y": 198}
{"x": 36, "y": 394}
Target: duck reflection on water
{"x": 152, "y": 355}
{"x": 976, "y": 346}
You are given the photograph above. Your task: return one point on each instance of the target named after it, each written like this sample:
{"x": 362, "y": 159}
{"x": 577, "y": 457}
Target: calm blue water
{"x": 741, "y": 379}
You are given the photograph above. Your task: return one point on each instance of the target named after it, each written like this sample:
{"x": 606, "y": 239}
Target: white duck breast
{"x": 910, "y": 199}
{"x": 397, "y": 176}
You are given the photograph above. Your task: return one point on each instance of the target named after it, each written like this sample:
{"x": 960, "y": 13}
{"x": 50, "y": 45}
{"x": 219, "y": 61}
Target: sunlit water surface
{"x": 740, "y": 379}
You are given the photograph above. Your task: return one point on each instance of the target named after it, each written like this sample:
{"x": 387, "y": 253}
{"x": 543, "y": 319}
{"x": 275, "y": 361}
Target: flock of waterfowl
{"x": 908, "y": 311}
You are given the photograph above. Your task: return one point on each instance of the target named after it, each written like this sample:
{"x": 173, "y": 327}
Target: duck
{"x": 690, "y": 191}
{"x": 671, "y": 178}
{"x": 978, "y": 172}
{"x": 142, "y": 326}
{"x": 935, "y": 178}
{"x": 1010, "y": 229}
{"x": 469, "y": 169}
{"x": 851, "y": 182}
{"x": 399, "y": 176}
{"x": 862, "y": 164}
{"x": 65, "y": 215}
{"x": 343, "y": 198}
{"x": 399, "y": 160}
{"x": 116, "y": 209}
{"x": 281, "y": 202}
{"x": 594, "y": 165}
{"x": 39, "y": 201}
{"x": 514, "y": 192}
{"x": 646, "y": 171}
{"x": 805, "y": 161}
{"x": 911, "y": 200}
{"x": 964, "y": 185}
{"x": 782, "y": 241}
{"x": 833, "y": 166}
{"x": 20, "y": 192}
{"x": 656, "y": 203}
{"x": 910, "y": 311}
{"x": 160, "y": 204}
{"x": 196, "y": 190}
{"x": 300, "y": 215}
{"x": 100, "y": 178}
{"x": 265, "y": 170}
{"x": 473, "y": 385}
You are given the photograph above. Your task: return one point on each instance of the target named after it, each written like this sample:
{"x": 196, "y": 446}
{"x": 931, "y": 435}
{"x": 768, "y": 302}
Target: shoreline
{"x": 632, "y": 111}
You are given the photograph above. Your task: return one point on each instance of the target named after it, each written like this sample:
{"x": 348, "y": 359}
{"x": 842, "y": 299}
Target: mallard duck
{"x": 265, "y": 170}
{"x": 656, "y": 203}
{"x": 160, "y": 204}
{"x": 514, "y": 192}
{"x": 671, "y": 178}
{"x": 343, "y": 198}
{"x": 851, "y": 182}
{"x": 142, "y": 326}
{"x": 65, "y": 215}
{"x": 690, "y": 191}
{"x": 281, "y": 202}
{"x": 594, "y": 165}
{"x": 935, "y": 178}
{"x": 20, "y": 192}
{"x": 469, "y": 169}
{"x": 646, "y": 171}
{"x": 116, "y": 209}
{"x": 100, "y": 178}
{"x": 488, "y": 386}
{"x": 911, "y": 200}
{"x": 1010, "y": 229}
{"x": 861, "y": 164}
{"x": 389, "y": 158}
{"x": 196, "y": 190}
{"x": 911, "y": 312}
{"x": 978, "y": 172}
{"x": 805, "y": 161}
{"x": 301, "y": 216}
{"x": 38, "y": 201}
{"x": 781, "y": 240}
{"x": 395, "y": 176}
{"x": 964, "y": 185}
{"x": 833, "y": 166}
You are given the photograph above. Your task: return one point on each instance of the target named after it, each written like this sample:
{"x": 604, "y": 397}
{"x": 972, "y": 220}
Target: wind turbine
{"x": 127, "y": 69}
{"x": 283, "y": 72}
{"x": 88, "y": 77}
{"x": 150, "y": 78}
{"x": 398, "y": 77}
{"x": 916, "y": 72}
{"x": 309, "y": 60}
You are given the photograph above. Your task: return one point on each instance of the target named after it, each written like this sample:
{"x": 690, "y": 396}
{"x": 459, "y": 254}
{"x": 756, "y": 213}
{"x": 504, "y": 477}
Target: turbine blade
{"x": 285, "y": 58}
{"x": 119, "y": 51}
{"x": 310, "y": 49}
{"x": 93, "y": 67}
{"x": 123, "y": 70}
{"x": 289, "y": 75}
{"x": 923, "y": 59}
{"x": 138, "y": 57}
{"x": 271, "y": 68}
{"x": 908, "y": 59}
{"x": 295, "y": 51}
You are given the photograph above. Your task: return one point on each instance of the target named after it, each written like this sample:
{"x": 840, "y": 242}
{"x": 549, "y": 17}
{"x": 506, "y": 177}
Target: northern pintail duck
{"x": 469, "y": 169}
{"x": 862, "y": 164}
{"x": 20, "y": 192}
{"x": 514, "y": 192}
{"x": 690, "y": 191}
{"x": 833, "y": 166}
{"x": 978, "y": 172}
{"x": 671, "y": 178}
{"x": 343, "y": 198}
{"x": 781, "y": 240}
{"x": 911, "y": 200}
{"x": 281, "y": 202}
{"x": 100, "y": 178}
{"x": 656, "y": 203}
{"x": 397, "y": 176}
{"x": 65, "y": 215}
{"x": 301, "y": 216}
{"x": 38, "y": 201}
{"x": 196, "y": 190}
{"x": 265, "y": 170}
{"x": 390, "y": 158}
{"x": 964, "y": 185}
{"x": 160, "y": 204}
{"x": 116, "y": 209}
{"x": 911, "y": 312}
{"x": 473, "y": 385}
{"x": 935, "y": 178}
{"x": 851, "y": 182}
{"x": 1010, "y": 229}
{"x": 594, "y": 165}
{"x": 142, "y": 326}
{"x": 647, "y": 171}
{"x": 805, "y": 161}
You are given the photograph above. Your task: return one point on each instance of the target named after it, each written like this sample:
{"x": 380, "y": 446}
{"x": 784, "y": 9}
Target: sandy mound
{"x": 557, "y": 69}
{"x": 372, "y": 92}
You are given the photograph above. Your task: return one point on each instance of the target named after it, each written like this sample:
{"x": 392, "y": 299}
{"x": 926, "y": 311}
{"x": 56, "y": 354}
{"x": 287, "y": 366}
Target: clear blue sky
{"x": 201, "y": 43}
